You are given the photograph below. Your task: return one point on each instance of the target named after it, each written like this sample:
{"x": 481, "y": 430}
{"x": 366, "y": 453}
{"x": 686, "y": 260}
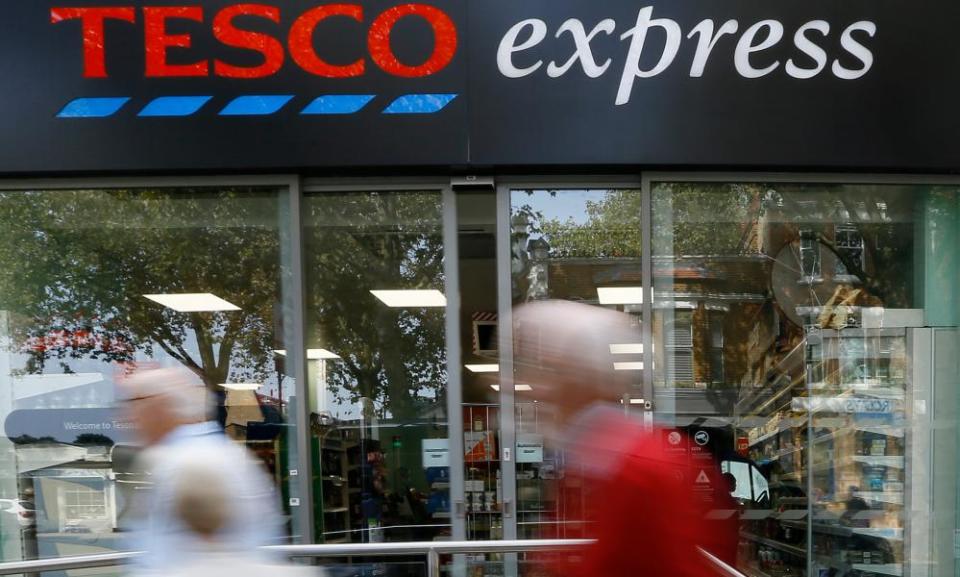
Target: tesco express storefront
{"x": 327, "y": 211}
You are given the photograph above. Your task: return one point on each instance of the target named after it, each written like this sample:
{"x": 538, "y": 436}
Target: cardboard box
{"x": 479, "y": 446}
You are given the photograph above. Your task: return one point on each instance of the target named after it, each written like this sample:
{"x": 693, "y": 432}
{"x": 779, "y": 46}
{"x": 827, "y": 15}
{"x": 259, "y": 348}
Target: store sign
{"x": 159, "y": 42}
{"x": 435, "y": 453}
{"x": 846, "y": 405}
{"x": 298, "y": 84}
{"x": 69, "y": 426}
{"x": 761, "y": 36}
{"x": 529, "y": 448}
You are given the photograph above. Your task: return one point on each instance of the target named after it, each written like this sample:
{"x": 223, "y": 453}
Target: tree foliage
{"x": 611, "y": 229}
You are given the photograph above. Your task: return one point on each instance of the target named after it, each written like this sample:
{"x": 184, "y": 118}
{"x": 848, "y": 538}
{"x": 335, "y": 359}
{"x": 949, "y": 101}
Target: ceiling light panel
{"x": 632, "y": 366}
{"x": 411, "y": 298}
{"x": 627, "y": 349}
{"x": 321, "y": 354}
{"x": 242, "y": 386}
{"x": 483, "y": 368}
{"x": 193, "y": 302}
{"x": 520, "y": 387}
{"x": 624, "y": 295}
{"x": 314, "y": 354}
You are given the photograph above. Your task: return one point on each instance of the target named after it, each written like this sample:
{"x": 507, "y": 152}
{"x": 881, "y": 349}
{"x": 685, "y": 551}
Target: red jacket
{"x": 646, "y": 516}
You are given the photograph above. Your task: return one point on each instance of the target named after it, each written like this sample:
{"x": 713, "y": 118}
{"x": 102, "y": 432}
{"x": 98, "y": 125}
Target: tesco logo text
{"x": 298, "y": 42}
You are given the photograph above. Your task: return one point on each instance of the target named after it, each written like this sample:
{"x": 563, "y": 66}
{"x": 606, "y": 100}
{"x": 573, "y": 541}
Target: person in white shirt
{"x": 171, "y": 409}
{"x": 201, "y": 502}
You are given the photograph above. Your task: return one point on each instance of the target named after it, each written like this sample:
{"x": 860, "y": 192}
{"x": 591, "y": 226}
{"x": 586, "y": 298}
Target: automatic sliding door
{"x": 582, "y": 245}
{"x": 376, "y": 348}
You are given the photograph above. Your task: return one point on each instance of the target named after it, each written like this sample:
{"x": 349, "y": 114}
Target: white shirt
{"x": 255, "y": 518}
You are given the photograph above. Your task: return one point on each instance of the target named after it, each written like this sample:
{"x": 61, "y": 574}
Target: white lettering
{"x": 858, "y": 50}
{"x": 75, "y": 426}
{"x": 812, "y": 55}
{"x": 706, "y": 43}
{"x": 583, "y": 51}
{"x": 808, "y": 47}
{"x": 746, "y": 47}
{"x": 508, "y": 47}
{"x": 638, "y": 36}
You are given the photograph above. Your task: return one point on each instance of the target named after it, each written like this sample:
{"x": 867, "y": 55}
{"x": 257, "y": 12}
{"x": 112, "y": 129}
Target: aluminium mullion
{"x": 646, "y": 322}
{"x": 454, "y": 366}
{"x": 508, "y": 433}
{"x": 299, "y": 348}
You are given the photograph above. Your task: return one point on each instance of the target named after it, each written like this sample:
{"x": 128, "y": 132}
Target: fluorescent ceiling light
{"x": 411, "y": 298}
{"x": 483, "y": 368}
{"x": 520, "y": 387}
{"x": 242, "y": 386}
{"x": 632, "y": 366}
{"x": 193, "y": 302}
{"x": 623, "y": 295}
{"x": 314, "y": 354}
{"x": 627, "y": 349}
{"x": 317, "y": 354}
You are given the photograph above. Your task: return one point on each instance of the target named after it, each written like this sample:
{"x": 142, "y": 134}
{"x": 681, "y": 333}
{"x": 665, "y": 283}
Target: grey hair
{"x": 190, "y": 400}
{"x": 192, "y": 404}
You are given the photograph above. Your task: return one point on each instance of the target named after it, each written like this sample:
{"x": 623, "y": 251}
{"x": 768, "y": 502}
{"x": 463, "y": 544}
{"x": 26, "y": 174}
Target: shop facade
{"x": 329, "y": 212}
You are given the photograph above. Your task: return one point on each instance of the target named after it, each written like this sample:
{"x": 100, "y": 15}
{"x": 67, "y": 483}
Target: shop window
{"x": 849, "y": 244}
{"x": 376, "y": 310}
{"x": 829, "y": 293}
{"x": 76, "y": 320}
{"x": 84, "y": 503}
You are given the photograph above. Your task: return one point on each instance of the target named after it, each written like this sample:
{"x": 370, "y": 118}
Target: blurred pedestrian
{"x": 645, "y": 516}
{"x": 201, "y": 495}
{"x": 171, "y": 409}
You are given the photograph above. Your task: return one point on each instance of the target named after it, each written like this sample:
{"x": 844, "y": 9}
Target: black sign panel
{"x": 293, "y": 84}
{"x": 897, "y": 114}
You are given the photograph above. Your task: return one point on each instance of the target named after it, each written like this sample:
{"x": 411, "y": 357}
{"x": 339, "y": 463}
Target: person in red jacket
{"x": 646, "y": 517}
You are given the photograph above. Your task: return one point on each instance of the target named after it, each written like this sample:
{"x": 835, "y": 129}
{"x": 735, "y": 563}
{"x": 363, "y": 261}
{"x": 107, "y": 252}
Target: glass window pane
{"x": 821, "y": 335}
{"x": 581, "y": 245}
{"x": 75, "y": 269}
{"x": 483, "y": 473}
{"x": 377, "y": 365}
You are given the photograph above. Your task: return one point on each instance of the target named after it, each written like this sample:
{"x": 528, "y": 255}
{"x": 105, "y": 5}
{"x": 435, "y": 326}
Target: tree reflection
{"x": 375, "y": 241}
{"x": 75, "y": 266}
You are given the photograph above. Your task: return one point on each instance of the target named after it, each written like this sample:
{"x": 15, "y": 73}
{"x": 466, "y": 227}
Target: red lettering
{"x": 444, "y": 35}
{"x": 301, "y": 41}
{"x": 157, "y": 41}
{"x": 228, "y": 34}
{"x": 91, "y": 19}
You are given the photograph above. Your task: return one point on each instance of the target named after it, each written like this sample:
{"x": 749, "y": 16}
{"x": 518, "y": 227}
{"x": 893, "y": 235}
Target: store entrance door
{"x": 562, "y": 243}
